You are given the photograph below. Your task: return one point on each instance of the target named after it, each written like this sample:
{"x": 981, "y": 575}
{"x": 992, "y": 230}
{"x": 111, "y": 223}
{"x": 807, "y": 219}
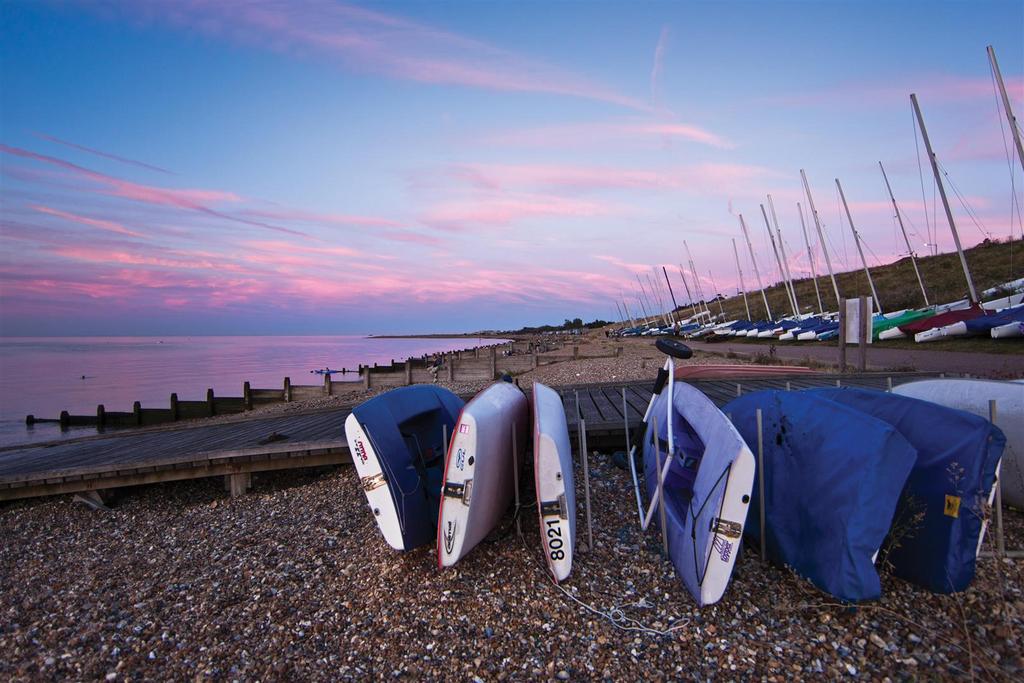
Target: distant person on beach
{"x": 435, "y": 365}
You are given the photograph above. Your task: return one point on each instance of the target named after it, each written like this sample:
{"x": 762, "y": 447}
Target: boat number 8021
{"x": 554, "y": 532}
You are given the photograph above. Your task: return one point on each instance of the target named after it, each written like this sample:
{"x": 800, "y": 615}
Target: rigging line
{"x": 1014, "y": 203}
{"x": 920, "y": 174}
{"x": 967, "y": 207}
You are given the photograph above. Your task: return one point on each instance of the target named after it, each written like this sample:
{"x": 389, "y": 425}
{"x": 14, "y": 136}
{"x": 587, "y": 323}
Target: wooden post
{"x": 65, "y": 420}
{"x": 618, "y": 351}
{"x": 535, "y": 361}
{"x": 210, "y": 409}
{"x": 476, "y": 351}
{"x": 865, "y": 333}
{"x": 575, "y": 351}
{"x": 451, "y": 367}
{"x": 101, "y": 415}
{"x": 247, "y": 396}
{"x": 739, "y": 389}
{"x": 174, "y": 406}
{"x": 408, "y": 372}
{"x": 494, "y": 362}
{"x": 1000, "y": 540}
{"x": 888, "y": 384}
{"x": 137, "y": 411}
{"x": 327, "y": 384}
{"x": 287, "y": 389}
{"x": 239, "y": 483}
{"x": 366, "y": 377}
{"x": 760, "y": 480}
{"x": 842, "y": 335}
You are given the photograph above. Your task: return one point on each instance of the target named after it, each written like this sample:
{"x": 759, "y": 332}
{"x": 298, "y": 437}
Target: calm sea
{"x": 42, "y": 376}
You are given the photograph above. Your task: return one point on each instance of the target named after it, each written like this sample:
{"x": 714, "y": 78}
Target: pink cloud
{"x": 371, "y": 41}
{"x": 585, "y": 134}
{"x": 504, "y": 209}
{"x": 313, "y": 217}
{"x": 706, "y": 177}
{"x": 189, "y": 199}
{"x": 930, "y": 88}
{"x": 94, "y": 222}
{"x": 105, "y": 155}
{"x": 659, "y": 64}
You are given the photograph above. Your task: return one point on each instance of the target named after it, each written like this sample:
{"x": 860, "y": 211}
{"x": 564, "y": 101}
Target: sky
{"x": 317, "y": 167}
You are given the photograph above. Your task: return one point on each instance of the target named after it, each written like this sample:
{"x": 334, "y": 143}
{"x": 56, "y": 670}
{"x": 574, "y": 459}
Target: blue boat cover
{"x": 407, "y": 427}
{"x": 832, "y": 480}
{"x": 934, "y": 540}
{"x": 983, "y": 324}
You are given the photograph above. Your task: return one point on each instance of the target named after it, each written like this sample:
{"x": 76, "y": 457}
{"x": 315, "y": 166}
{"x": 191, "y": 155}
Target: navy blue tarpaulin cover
{"x": 935, "y": 537}
{"x": 407, "y": 427}
{"x": 833, "y": 477}
{"x": 985, "y": 323}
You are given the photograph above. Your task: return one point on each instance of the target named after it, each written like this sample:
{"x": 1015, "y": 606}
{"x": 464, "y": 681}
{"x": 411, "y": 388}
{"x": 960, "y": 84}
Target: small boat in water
{"x": 479, "y": 472}
{"x": 556, "y": 495}
{"x": 398, "y": 442}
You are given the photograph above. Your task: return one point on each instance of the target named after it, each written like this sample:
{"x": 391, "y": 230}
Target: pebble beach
{"x": 293, "y": 581}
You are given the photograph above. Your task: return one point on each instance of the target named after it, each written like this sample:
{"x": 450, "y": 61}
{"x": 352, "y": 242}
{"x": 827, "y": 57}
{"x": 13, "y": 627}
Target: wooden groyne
{"x": 478, "y": 364}
{"x": 261, "y": 443}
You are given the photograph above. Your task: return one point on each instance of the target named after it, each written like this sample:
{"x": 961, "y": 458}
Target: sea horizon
{"x": 44, "y": 375}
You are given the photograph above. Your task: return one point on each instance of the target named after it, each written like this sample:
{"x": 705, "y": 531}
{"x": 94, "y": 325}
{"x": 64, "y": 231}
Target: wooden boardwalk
{"x": 143, "y": 456}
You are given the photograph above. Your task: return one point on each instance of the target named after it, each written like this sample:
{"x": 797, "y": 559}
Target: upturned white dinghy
{"x": 479, "y": 473}
{"x": 699, "y": 474}
{"x": 973, "y": 395}
{"x": 556, "y": 494}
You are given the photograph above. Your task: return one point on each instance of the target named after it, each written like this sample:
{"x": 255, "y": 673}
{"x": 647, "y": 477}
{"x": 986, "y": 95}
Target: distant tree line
{"x": 574, "y": 324}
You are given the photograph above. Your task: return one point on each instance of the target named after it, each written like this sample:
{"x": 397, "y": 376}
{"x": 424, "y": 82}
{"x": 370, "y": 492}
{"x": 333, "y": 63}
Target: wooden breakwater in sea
{"x": 478, "y": 364}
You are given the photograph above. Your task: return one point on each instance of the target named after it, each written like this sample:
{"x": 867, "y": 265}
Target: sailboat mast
{"x": 906, "y": 240}
{"x": 821, "y": 236}
{"x": 860, "y": 250}
{"x": 670, "y": 292}
{"x": 810, "y": 257}
{"x": 716, "y": 292}
{"x": 778, "y": 261}
{"x": 782, "y": 252}
{"x": 693, "y": 306}
{"x": 629, "y": 315}
{"x": 645, "y": 302}
{"x": 945, "y": 200}
{"x": 1006, "y": 105}
{"x": 739, "y": 270}
{"x": 656, "y": 295}
{"x": 757, "y": 273}
{"x": 696, "y": 279}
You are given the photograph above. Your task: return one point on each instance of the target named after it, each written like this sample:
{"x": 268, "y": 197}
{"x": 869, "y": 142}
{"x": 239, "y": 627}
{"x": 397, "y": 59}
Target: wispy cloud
{"x": 198, "y": 200}
{"x": 602, "y": 132}
{"x": 659, "y": 64}
{"x": 371, "y": 41}
{"x": 491, "y": 210}
{"x": 102, "y": 224}
{"x": 105, "y": 155}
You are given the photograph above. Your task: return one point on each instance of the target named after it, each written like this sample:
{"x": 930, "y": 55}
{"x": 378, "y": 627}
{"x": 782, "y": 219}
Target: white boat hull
{"x": 556, "y": 493}
{"x": 371, "y": 477}
{"x": 479, "y": 474}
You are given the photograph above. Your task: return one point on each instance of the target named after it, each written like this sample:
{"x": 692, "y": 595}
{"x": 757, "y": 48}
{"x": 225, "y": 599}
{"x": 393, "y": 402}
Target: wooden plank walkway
{"x": 142, "y": 456}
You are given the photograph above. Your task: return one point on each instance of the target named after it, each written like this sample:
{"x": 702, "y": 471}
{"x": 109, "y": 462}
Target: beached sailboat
{"x": 556, "y": 494}
{"x": 698, "y": 473}
{"x": 479, "y": 472}
{"x": 398, "y": 442}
